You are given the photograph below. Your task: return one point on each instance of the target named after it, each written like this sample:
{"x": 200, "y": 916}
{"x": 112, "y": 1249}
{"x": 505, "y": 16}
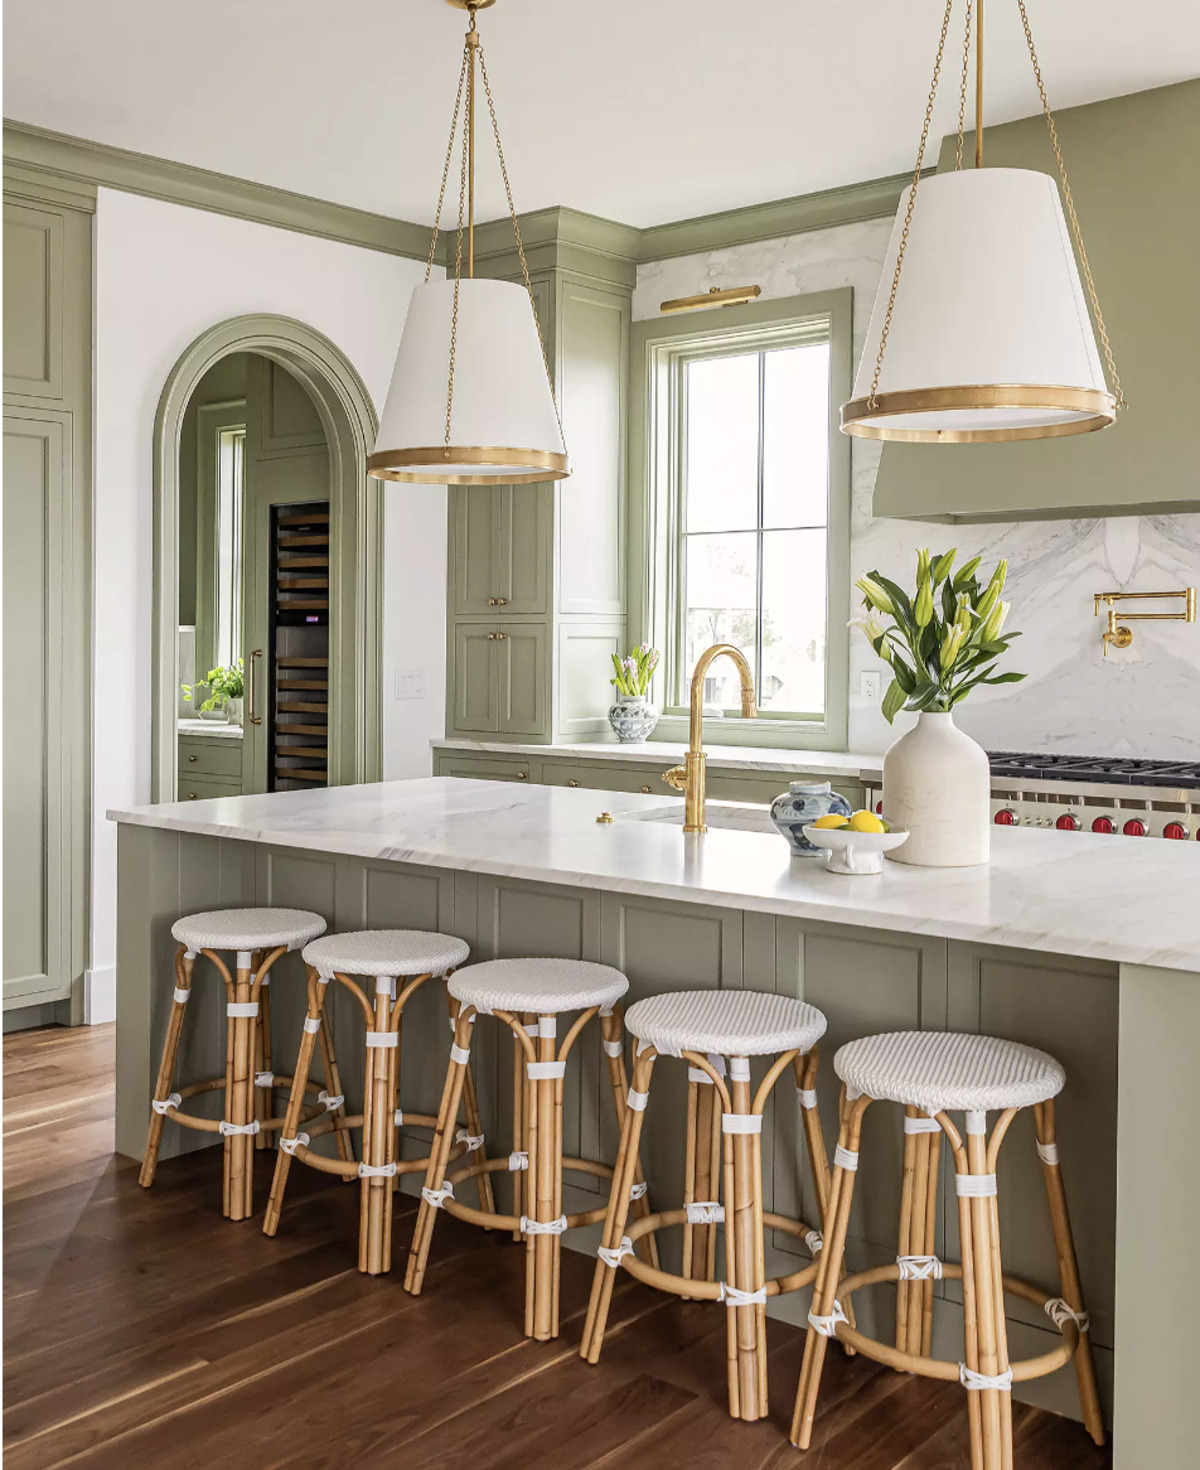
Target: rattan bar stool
{"x": 257, "y": 937}
{"x": 528, "y": 996}
{"x": 386, "y": 956}
{"x": 933, "y": 1074}
{"x": 703, "y": 1028}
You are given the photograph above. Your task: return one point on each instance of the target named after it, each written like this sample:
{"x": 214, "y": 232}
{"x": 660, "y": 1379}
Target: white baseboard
{"x": 99, "y": 996}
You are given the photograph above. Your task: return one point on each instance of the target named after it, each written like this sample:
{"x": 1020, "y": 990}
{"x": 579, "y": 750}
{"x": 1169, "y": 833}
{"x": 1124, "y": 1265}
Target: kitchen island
{"x": 1087, "y": 946}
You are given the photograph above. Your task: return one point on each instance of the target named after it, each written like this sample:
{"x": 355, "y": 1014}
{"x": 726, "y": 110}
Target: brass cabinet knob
{"x": 497, "y": 601}
{"x": 521, "y": 775}
{"x": 193, "y": 796}
{"x": 192, "y": 757}
{"x": 572, "y": 783}
{"x": 645, "y": 791}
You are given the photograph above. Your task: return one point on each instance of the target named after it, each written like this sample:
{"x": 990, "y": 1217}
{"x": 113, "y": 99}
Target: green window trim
{"x": 212, "y": 421}
{"x": 658, "y": 348}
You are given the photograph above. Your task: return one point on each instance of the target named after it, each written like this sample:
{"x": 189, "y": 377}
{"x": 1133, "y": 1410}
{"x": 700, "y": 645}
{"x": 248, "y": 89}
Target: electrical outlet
{"x": 410, "y": 684}
{"x": 868, "y": 685}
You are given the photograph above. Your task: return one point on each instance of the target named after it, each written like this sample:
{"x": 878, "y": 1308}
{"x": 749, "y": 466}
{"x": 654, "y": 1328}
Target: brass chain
{"x": 437, "y": 219}
{"x": 512, "y": 214}
{"x": 872, "y": 401}
{"x": 962, "y": 90}
{"x": 462, "y": 205}
{"x": 1074, "y": 218}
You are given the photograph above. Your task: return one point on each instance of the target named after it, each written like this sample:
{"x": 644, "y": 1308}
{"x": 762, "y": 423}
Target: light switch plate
{"x": 410, "y": 684}
{"x": 868, "y": 685}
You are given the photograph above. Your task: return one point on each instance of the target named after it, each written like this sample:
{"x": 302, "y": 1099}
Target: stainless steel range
{"x": 1141, "y": 798}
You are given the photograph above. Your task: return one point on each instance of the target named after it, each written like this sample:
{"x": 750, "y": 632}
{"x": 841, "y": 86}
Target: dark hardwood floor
{"x": 142, "y": 1330}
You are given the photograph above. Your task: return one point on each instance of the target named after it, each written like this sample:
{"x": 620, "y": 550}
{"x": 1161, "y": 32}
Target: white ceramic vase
{"x": 937, "y": 785}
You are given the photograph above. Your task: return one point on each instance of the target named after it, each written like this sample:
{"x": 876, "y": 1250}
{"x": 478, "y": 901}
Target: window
{"x": 746, "y": 485}
{"x": 231, "y": 452}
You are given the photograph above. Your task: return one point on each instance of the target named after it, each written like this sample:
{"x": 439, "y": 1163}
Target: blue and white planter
{"x": 799, "y": 806}
{"x": 633, "y": 718}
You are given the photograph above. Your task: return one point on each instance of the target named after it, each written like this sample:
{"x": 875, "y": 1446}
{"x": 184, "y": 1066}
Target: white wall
{"x": 1143, "y": 701}
{"x": 164, "y": 274}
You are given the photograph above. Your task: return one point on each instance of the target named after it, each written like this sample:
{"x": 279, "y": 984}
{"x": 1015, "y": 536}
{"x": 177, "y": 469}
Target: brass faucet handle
{"x": 676, "y": 778}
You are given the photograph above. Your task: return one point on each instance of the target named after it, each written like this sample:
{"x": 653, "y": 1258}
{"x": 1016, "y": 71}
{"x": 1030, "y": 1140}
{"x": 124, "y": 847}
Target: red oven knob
{"x": 1067, "y": 823}
{"x": 879, "y": 807}
{"x": 1103, "y": 824}
{"x": 1176, "y": 830}
{"x": 1005, "y": 818}
{"x": 1134, "y": 828}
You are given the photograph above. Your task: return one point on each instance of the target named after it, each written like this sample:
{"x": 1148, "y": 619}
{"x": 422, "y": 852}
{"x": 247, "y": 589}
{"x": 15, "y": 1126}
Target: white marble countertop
{"x": 1115, "y": 898}
{"x": 664, "y": 753}
{"x": 220, "y": 728}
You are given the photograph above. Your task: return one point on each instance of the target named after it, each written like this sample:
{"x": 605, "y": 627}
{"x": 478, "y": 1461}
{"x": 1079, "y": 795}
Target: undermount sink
{"x": 736, "y": 816}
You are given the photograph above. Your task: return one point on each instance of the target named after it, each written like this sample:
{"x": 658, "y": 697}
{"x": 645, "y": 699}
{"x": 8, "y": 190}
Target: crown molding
{"x": 78, "y": 165}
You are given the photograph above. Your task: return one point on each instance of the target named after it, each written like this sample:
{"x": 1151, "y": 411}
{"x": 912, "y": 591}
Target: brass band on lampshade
{"x": 419, "y": 466}
{"x": 1099, "y": 408}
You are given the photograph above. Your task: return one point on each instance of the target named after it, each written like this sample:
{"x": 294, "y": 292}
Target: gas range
{"x": 1141, "y": 798}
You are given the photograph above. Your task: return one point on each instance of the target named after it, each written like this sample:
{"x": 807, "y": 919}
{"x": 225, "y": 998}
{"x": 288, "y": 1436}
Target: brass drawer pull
{"x": 572, "y": 783}
{"x": 193, "y": 757}
{"x": 252, "y": 701}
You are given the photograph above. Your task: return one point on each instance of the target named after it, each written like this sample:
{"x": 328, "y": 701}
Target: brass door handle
{"x": 252, "y": 717}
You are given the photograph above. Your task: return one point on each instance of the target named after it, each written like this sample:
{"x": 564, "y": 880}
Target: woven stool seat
{"x": 389, "y": 952}
{"x": 244, "y": 929}
{"x": 947, "y": 1071}
{"x": 542, "y": 986}
{"x": 732, "y": 1023}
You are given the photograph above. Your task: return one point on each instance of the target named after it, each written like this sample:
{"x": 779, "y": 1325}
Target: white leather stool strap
{"x": 227, "y": 1130}
{"x": 398, "y": 1118}
{"x": 974, "y": 1186}
{"x": 741, "y": 1122}
{"x": 613, "y": 1257}
{"x": 807, "y": 1096}
{"x": 1059, "y": 1312}
{"x": 921, "y": 1125}
{"x": 827, "y": 1326}
{"x": 845, "y": 1158}
{"x": 332, "y": 1104}
{"x": 636, "y": 1100}
{"x": 814, "y": 1240}
{"x": 638, "y": 1191}
{"x": 613, "y": 1048}
{"x": 265, "y": 1079}
{"x": 706, "y": 1212}
{"x": 377, "y": 1171}
{"x": 545, "y": 1071}
{"x": 383, "y": 1039}
{"x": 242, "y": 1009}
{"x": 977, "y": 1382}
{"x": 919, "y": 1268}
{"x": 460, "y": 1054}
{"x": 167, "y": 1104}
{"x": 472, "y": 1140}
{"x": 517, "y": 1162}
{"x": 733, "y": 1296}
{"x": 437, "y": 1197}
{"x": 312, "y": 1024}
{"x": 290, "y": 1145}
{"x": 543, "y": 1227}
{"x": 181, "y": 996}
{"x": 1047, "y": 1152}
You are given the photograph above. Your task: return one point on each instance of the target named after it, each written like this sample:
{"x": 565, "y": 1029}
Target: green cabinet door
{"x": 474, "y": 694}
{"x": 522, "y": 678}
{"x": 499, "y": 549}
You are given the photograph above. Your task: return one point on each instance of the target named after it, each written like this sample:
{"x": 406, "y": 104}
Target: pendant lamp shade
{"x": 990, "y": 337}
{"x": 503, "y": 425}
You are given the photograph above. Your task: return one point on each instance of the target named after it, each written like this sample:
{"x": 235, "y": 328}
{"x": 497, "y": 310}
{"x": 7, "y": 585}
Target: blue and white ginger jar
{"x": 799, "y": 806}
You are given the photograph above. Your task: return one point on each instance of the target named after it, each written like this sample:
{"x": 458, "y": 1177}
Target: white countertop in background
{"x": 664, "y": 753}
{"x": 220, "y": 728}
{"x": 1106, "y": 897}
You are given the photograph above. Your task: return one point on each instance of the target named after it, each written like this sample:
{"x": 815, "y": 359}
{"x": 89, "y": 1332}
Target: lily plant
{"x": 635, "y": 670}
{"x": 942, "y": 641}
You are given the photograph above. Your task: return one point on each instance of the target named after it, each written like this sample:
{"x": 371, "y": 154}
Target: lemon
{"x": 834, "y": 819}
{"x": 866, "y": 822}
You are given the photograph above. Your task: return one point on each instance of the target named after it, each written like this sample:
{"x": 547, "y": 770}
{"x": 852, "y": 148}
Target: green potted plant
{"x": 631, "y": 715}
{"x": 941, "y": 642}
{"x": 225, "y": 684}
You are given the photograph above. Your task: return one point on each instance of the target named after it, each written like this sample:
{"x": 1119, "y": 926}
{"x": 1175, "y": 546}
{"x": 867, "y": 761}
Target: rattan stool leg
{"x": 612, "y": 1031}
{"x": 439, "y": 1154}
{"x": 474, "y": 1123}
{"x": 829, "y": 1270}
{"x": 262, "y": 1055}
{"x": 983, "y": 1309}
{"x": 1068, "y": 1267}
{"x": 519, "y": 1141}
{"x": 546, "y": 1189}
{"x": 618, "y": 1210}
{"x": 378, "y": 1136}
{"x": 313, "y": 1029}
{"x": 333, "y": 1078}
{"x": 744, "y": 1257}
{"x": 239, "y": 1099}
{"x": 166, "y": 1067}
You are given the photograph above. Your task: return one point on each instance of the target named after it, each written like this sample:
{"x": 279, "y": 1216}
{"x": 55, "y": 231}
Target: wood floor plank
{"x": 144, "y": 1330}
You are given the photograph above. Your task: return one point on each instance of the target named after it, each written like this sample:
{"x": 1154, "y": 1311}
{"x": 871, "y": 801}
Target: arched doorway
{"x": 355, "y": 507}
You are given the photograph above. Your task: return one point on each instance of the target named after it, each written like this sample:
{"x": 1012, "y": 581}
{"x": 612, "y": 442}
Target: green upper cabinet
{"x": 1132, "y": 166}
{"x": 500, "y": 545}
{"x": 536, "y": 601}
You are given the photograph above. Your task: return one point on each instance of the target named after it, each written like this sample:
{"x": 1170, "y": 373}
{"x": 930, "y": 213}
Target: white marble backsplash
{"x": 1140, "y": 701}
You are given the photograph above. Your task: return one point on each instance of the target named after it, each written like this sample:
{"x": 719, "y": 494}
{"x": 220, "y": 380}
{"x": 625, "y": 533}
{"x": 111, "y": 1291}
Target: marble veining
{"x": 1140, "y": 701}
{"x": 1110, "y": 898}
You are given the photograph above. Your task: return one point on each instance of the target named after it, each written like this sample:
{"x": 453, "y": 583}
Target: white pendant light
{"x": 980, "y": 331}
{"x": 471, "y": 401}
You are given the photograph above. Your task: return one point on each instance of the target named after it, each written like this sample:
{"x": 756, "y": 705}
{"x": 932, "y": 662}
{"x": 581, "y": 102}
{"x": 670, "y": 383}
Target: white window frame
{"x": 661, "y": 350}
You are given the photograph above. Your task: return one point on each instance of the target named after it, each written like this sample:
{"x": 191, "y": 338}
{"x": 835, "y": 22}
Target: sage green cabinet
{"x": 216, "y": 757}
{"x": 603, "y": 777}
{"x": 500, "y": 547}
{"x": 500, "y": 677}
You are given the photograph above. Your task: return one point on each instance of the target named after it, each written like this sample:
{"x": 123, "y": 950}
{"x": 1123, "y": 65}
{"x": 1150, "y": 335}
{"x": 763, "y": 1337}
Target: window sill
{"x": 733, "y": 730}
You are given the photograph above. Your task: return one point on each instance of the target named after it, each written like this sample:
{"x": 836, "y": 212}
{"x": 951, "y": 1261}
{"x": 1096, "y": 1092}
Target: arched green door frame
{"x": 356, "y": 510}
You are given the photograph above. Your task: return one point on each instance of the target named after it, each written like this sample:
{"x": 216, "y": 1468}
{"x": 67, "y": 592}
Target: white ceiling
{"x": 639, "y": 110}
